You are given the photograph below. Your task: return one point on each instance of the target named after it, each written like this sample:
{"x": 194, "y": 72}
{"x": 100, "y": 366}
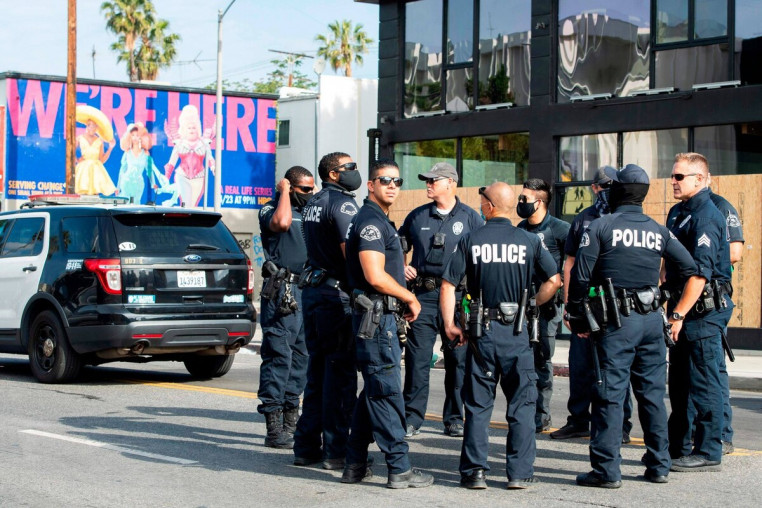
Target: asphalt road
{"x": 146, "y": 435}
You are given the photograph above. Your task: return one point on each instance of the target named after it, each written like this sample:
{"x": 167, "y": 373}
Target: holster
{"x": 371, "y": 318}
{"x": 646, "y": 300}
{"x": 273, "y": 284}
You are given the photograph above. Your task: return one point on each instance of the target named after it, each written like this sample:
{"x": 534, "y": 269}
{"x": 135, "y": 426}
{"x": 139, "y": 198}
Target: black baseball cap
{"x": 631, "y": 173}
{"x": 601, "y": 178}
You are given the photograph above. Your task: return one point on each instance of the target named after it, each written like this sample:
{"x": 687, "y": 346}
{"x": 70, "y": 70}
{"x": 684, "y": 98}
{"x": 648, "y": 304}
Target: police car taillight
{"x": 250, "y": 289}
{"x": 109, "y": 272}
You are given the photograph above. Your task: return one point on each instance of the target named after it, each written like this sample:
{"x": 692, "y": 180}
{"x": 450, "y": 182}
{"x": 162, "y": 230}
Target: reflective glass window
{"x": 460, "y": 31}
{"x": 460, "y": 85}
{"x": 581, "y": 156}
{"x": 748, "y": 41}
{"x": 671, "y": 21}
{"x": 423, "y": 56}
{"x": 25, "y": 237}
{"x": 731, "y": 149}
{"x": 502, "y": 157}
{"x": 603, "y": 47}
{"x": 504, "y": 51}
{"x": 654, "y": 151}
{"x": 284, "y": 132}
{"x": 711, "y": 19}
{"x": 418, "y": 157}
{"x": 685, "y": 67}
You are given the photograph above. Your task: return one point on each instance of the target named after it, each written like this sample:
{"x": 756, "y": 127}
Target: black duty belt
{"x": 427, "y": 282}
{"x": 505, "y": 312}
{"x": 315, "y": 277}
{"x": 391, "y": 304}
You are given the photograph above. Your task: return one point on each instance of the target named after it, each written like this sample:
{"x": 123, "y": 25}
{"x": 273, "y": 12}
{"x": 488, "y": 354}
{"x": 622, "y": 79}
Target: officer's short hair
{"x": 693, "y": 159}
{"x": 329, "y": 162}
{"x": 378, "y": 165}
{"x": 296, "y": 173}
{"x": 540, "y": 185}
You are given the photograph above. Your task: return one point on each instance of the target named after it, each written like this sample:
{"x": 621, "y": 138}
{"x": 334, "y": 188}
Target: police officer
{"x": 331, "y": 390}
{"x": 632, "y": 345}
{"x": 581, "y": 379}
{"x": 375, "y": 266}
{"x": 282, "y": 374}
{"x": 533, "y": 204}
{"x": 694, "y": 371}
{"x": 432, "y": 231}
{"x": 500, "y": 262}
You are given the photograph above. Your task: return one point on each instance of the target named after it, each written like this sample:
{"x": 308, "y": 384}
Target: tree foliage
{"x": 143, "y": 40}
{"x": 275, "y": 79}
{"x": 344, "y": 45}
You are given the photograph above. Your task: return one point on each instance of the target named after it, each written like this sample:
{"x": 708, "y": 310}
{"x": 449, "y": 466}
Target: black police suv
{"x": 87, "y": 282}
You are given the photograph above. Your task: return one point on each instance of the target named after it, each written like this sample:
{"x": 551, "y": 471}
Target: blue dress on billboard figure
{"x": 137, "y": 165}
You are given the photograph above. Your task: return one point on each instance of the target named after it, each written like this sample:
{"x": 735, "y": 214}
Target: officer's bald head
{"x": 501, "y": 196}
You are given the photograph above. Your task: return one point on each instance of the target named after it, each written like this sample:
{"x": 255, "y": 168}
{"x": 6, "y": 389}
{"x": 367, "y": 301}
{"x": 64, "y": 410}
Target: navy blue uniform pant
{"x": 582, "y": 383}
{"x": 694, "y": 374}
{"x": 511, "y": 361}
{"x": 380, "y": 411}
{"x": 418, "y": 351}
{"x": 283, "y": 372}
{"x": 543, "y": 355}
{"x": 635, "y": 354}
{"x": 331, "y": 390}
{"x": 727, "y": 410}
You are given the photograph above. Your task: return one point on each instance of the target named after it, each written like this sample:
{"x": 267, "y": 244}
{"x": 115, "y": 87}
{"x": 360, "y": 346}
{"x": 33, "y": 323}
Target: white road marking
{"x": 106, "y": 446}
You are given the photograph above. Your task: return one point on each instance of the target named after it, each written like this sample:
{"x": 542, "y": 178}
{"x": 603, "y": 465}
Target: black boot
{"x": 276, "y": 437}
{"x": 290, "y": 416}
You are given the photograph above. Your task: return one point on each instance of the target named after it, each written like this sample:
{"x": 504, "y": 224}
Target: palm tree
{"x": 129, "y": 20}
{"x": 344, "y": 45}
{"x": 157, "y": 50}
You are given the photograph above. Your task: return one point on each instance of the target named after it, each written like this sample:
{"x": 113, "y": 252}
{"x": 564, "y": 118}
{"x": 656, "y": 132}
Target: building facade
{"x": 511, "y": 89}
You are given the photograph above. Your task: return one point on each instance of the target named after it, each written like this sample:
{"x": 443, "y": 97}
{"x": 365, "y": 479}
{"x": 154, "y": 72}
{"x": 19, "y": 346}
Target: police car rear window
{"x": 172, "y": 233}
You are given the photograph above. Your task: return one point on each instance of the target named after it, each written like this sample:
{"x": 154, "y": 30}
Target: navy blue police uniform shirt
{"x": 578, "y": 227}
{"x": 702, "y": 229}
{"x": 626, "y": 246}
{"x": 372, "y": 230}
{"x": 424, "y": 222}
{"x": 286, "y": 249}
{"x": 553, "y": 233}
{"x": 500, "y": 261}
{"x": 732, "y": 221}
{"x": 326, "y": 218}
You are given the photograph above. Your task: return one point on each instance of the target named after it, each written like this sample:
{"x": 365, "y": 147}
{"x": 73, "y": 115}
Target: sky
{"x": 34, "y": 37}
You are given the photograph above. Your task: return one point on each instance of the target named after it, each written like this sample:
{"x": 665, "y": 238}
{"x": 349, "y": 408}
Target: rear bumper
{"x": 163, "y": 336}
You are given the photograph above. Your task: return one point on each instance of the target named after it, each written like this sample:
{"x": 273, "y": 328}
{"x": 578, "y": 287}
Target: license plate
{"x": 191, "y": 279}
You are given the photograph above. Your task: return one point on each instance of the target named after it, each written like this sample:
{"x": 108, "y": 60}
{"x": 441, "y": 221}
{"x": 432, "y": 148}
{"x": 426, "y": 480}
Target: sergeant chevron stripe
{"x": 704, "y": 240}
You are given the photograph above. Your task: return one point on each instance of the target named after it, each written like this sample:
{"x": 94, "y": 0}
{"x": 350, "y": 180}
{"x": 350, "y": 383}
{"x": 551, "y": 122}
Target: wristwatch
{"x": 676, "y": 316}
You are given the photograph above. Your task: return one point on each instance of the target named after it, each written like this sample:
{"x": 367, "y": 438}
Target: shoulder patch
{"x": 704, "y": 240}
{"x": 267, "y": 207}
{"x": 542, "y": 237}
{"x": 733, "y": 221}
{"x": 457, "y": 228}
{"x": 348, "y": 208}
{"x": 370, "y": 233}
{"x": 585, "y": 240}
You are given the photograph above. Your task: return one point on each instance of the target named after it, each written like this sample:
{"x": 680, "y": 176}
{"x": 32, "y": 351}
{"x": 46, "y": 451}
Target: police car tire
{"x": 205, "y": 367}
{"x": 59, "y": 365}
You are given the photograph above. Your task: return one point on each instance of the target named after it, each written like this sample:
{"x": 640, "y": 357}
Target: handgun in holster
{"x": 275, "y": 280}
{"x": 718, "y": 292}
{"x": 371, "y": 318}
{"x": 667, "y": 327}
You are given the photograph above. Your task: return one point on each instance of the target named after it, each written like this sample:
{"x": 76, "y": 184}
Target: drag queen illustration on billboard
{"x": 137, "y": 164}
{"x": 191, "y": 156}
{"x": 90, "y": 175}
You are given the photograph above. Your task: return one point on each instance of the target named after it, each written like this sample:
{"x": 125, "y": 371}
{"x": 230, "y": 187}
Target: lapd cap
{"x": 440, "y": 170}
{"x": 631, "y": 173}
{"x": 601, "y": 178}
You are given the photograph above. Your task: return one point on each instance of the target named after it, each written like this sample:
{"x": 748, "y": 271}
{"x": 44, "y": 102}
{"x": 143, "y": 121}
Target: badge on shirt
{"x": 704, "y": 240}
{"x": 370, "y": 233}
{"x": 457, "y": 228}
{"x": 348, "y": 209}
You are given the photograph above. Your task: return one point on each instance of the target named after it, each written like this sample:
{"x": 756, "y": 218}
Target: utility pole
{"x": 291, "y": 59}
{"x": 93, "y": 55}
{"x": 218, "y": 119}
{"x": 71, "y": 97}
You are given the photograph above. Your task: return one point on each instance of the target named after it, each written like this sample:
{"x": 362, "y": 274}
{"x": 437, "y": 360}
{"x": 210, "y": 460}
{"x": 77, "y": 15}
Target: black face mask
{"x": 627, "y": 194}
{"x": 525, "y": 210}
{"x": 299, "y": 199}
{"x": 350, "y": 180}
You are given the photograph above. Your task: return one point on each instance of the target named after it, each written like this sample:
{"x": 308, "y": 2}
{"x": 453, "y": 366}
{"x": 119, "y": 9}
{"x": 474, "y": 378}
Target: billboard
{"x": 154, "y": 146}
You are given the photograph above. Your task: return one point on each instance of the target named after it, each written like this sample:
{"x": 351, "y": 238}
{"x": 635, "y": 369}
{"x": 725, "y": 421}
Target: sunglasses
{"x": 679, "y": 177}
{"x": 349, "y": 166}
{"x": 481, "y": 191}
{"x": 432, "y": 181}
{"x": 304, "y": 188}
{"x": 386, "y": 180}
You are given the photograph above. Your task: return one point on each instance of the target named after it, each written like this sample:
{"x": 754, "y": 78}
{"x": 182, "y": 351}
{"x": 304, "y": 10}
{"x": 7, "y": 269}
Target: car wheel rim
{"x": 45, "y": 343}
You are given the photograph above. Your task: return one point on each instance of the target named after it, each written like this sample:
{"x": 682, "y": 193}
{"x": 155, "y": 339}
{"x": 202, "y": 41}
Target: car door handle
{"x": 30, "y": 268}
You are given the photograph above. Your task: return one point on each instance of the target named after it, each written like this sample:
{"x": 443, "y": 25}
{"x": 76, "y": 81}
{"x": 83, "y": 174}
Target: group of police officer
{"x": 339, "y": 296}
